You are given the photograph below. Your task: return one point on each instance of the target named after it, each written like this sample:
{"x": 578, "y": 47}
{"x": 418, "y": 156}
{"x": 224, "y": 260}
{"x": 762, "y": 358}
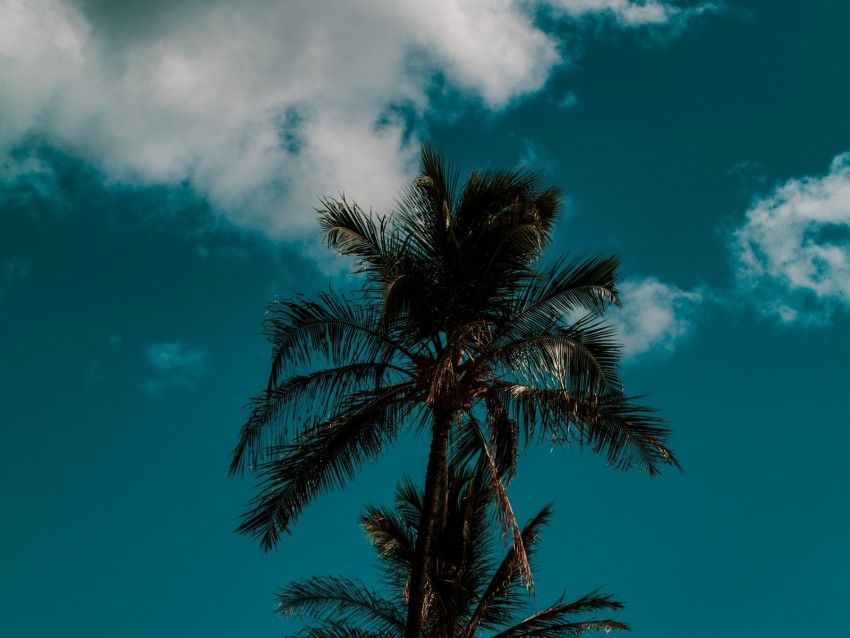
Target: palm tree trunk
{"x": 435, "y": 486}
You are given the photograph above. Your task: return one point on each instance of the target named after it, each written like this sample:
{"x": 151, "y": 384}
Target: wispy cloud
{"x": 174, "y": 364}
{"x": 792, "y": 252}
{"x": 262, "y": 107}
{"x": 568, "y": 100}
{"x": 12, "y": 271}
{"x": 637, "y": 13}
{"x": 93, "y": 373}
{"x": 536, "y": 157}
{"x": 655, "y": 317}
{"x": 25, "y": 177}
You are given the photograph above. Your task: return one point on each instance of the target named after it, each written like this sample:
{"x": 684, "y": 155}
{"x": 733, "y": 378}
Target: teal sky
{"x": 159, "y": 163}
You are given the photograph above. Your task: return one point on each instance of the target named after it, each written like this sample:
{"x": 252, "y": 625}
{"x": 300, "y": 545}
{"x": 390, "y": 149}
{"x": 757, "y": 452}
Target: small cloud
{"x": 751, "y": 175}
{"x": 115, "y": 341}
{"x": 536, "y": 157}
{"x": 175, "y": 364}
{"x": 568, "y": 100}
{"x": 792, "y": 252}
{"x": 655, "y": 316}
{"x": 93, "y": 373}
{"x": 12, "y": 272}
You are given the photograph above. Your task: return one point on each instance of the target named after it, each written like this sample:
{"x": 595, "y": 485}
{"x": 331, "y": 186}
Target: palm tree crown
{"x": 469, "y": 591}
{"x": 457, "y": 330}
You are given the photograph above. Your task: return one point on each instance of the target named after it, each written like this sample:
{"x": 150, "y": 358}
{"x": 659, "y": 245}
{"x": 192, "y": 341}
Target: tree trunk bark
{"x": 435, "y": 486}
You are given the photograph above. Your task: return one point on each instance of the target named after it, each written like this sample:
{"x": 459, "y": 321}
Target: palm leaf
{"x": 554, "y": 622}
{"x": 503, "y": 506}
{"x": 302, "y": 400}
{"x": 322, "y": 458}
{"x": 332, "y": 327}
{"x": 394, "y": 539}
{"x": 341, "y": 630}
{"x": 501, "y": 600}
{"x": 630, "y": 435}
{"x": 583, "y": 357}
{"x": 349, "y": 231}
{"x": 340, "y": 600}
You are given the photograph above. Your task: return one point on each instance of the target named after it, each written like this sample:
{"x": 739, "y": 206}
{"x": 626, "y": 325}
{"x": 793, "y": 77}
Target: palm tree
{"x": 460, "y": 330}
{"x": 467, "y": 590}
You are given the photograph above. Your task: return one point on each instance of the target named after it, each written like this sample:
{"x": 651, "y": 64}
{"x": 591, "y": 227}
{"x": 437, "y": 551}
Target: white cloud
{"x": 635, "y": 13}
{"x": 174, "y": 364}
{"x": 792, "y": 252}
{"x": 655, "y": 316}
{"x": 260, "y": 106}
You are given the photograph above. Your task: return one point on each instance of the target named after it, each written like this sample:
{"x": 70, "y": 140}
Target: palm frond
{"x": 341, "y": 600}
{"x": 553, "y": 296}
{"x": 442, "y": 176}
{"x": 486, "y": 194}
{"x": 629, "y": 434}
{"x": 424, "y": 214}
{"x": 323, "y": 458}
{"x": 503, "y": 507}
{"x": 349, "y": 231}
{"x": 408, "y": 502}
{"x": 331, "y": 327}
{"x": 394, "y": 538}
{"x": 342, "y": 630}
{"x": 405, "y": 308}
{"x": 503, "y": 596}
{"x": 584, "y": 357}
{"x": 554, "y": 621}
{"x": 570, "y": 284}
{"x": 300, "y": 401}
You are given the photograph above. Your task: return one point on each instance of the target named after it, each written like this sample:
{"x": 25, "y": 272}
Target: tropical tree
{"x": 468, "y": 590}
{"x": 460, "y": 329}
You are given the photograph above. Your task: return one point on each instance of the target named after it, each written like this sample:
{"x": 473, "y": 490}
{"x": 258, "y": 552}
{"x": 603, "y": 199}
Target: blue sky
{"x": 159, "y": 165}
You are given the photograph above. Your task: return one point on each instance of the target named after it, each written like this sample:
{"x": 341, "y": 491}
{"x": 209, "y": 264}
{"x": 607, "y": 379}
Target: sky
{"x": 160, "y": 164}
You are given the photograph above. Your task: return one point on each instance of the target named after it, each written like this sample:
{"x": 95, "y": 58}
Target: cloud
{"x": 174, "y": 364}
{"x": 26, "y": 178}
{"x": 569, "y": 100}
{"x": 536, "y": 157}
{"x": 792, "y": 252}
{"x": 12, "y": 271}
{"x": 93, "y": 373}
{"x": 261, "y": 107}
{"x": 636, "y": 13}
{"x": 655, "y": 316}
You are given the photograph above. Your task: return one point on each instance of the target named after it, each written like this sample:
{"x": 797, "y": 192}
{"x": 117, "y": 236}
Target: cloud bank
{"x": 792, "y": 252}
{"x": 261, "y": 107}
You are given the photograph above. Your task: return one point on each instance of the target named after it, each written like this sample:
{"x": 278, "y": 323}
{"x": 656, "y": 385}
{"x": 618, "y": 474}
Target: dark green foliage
{"x": 469, "y": 591}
